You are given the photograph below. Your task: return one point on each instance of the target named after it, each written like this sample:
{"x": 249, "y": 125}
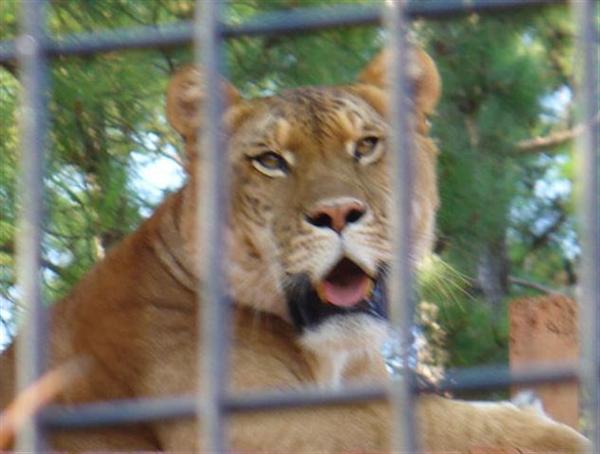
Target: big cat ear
{"x": 422, "y": 72}
{"x": 185, "y": 95}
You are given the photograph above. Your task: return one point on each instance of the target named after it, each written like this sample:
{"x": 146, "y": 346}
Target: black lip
{"x": 308, "y": 311}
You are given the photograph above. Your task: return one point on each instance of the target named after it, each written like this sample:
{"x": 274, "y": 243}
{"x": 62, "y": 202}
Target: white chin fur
{"x": 335, "y": 342}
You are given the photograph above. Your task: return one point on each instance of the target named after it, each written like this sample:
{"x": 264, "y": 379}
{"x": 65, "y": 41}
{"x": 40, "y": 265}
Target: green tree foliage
{"x": 506, "y": 212}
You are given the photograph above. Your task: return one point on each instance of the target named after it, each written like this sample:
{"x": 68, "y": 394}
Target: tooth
{"x": 321, "y": 292}
{"x": 370, "y": 286}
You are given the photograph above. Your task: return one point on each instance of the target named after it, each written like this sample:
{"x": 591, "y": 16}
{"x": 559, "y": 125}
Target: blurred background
{"x": 505, "y": 127}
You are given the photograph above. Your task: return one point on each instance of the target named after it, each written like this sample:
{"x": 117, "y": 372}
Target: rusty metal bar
{"x": 32, "y": 339}
{"x": 400, "y": 287}
{"x": 212, "y": 197}
{"x": 589, "y": 208}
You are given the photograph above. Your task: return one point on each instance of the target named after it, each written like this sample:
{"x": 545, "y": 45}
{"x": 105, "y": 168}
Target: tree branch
{"x": 533, "y": 285}
{"x": 553, "y": 140}
{"x": 520, "y": 282}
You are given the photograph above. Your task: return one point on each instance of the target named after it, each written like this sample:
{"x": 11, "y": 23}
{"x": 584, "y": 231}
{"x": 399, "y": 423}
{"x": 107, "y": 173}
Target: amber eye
{"x": 365, "y": 147}
{"x": 270, "y": 163}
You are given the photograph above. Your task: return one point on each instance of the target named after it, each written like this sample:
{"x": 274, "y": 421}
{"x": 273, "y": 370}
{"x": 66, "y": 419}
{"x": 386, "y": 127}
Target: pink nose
{"x": 336, "y": 216}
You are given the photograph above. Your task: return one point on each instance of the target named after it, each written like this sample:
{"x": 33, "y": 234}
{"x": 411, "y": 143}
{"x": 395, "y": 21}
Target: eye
{"x": 367, "y": 149}
{"x": 270, "y": 163}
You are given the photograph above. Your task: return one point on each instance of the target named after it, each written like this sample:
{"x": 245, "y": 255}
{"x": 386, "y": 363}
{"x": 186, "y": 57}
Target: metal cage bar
{"x": 400, "y": 286}
{"x": 211, "y": 216}
{"x": 273, "y": 23}
{"x": 31, "y": 355}
{"x": 589, "y": 208}
{"x": 142, "y": 410}
{"x": 32, "y": 50}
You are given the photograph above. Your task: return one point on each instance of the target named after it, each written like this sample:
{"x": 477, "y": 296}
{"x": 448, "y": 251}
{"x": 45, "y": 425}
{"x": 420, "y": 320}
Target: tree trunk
{"x": 492, "y": 271}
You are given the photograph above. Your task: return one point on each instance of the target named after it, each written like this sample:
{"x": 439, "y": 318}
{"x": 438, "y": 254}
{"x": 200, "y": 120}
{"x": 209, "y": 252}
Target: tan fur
{"x": 135, "y": 314}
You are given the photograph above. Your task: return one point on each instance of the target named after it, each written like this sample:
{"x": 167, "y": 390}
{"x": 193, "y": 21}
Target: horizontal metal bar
{"x": 287, "y": 22}
{"x": 493, "y": 377}
{"x": 312, "y": 19}
{"x": 144, "y": 37}
{"x": 436, "y": 9}
{"x": 117, "y": 412}
{"x": 306, "y": 398}
{"x": 144, "y": 410}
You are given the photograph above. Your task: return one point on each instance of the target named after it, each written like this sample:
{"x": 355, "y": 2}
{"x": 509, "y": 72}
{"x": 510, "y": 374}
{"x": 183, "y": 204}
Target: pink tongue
{"x": 347, "y": 295}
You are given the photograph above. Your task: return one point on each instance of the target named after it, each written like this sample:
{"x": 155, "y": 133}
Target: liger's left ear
{"x": 185, "y": 95}
{"x": 422, "y": 72}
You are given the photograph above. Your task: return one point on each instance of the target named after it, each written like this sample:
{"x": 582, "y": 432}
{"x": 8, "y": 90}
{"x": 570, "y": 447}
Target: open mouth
{"x": 346, "y": 285}
{"x": 346, "y": 290}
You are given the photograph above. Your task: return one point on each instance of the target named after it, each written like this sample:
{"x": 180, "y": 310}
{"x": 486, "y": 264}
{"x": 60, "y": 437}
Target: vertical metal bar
{"x": 32, "y": 337}
{"x": 400, "y": 286}
{"x": 211, "y": 218}
{"x": 589, "y": 204}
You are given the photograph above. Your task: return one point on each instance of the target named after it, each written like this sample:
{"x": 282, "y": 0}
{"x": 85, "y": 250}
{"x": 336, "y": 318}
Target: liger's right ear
{"x": 421, "y": 70}
{"x": 185, "y": 95}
